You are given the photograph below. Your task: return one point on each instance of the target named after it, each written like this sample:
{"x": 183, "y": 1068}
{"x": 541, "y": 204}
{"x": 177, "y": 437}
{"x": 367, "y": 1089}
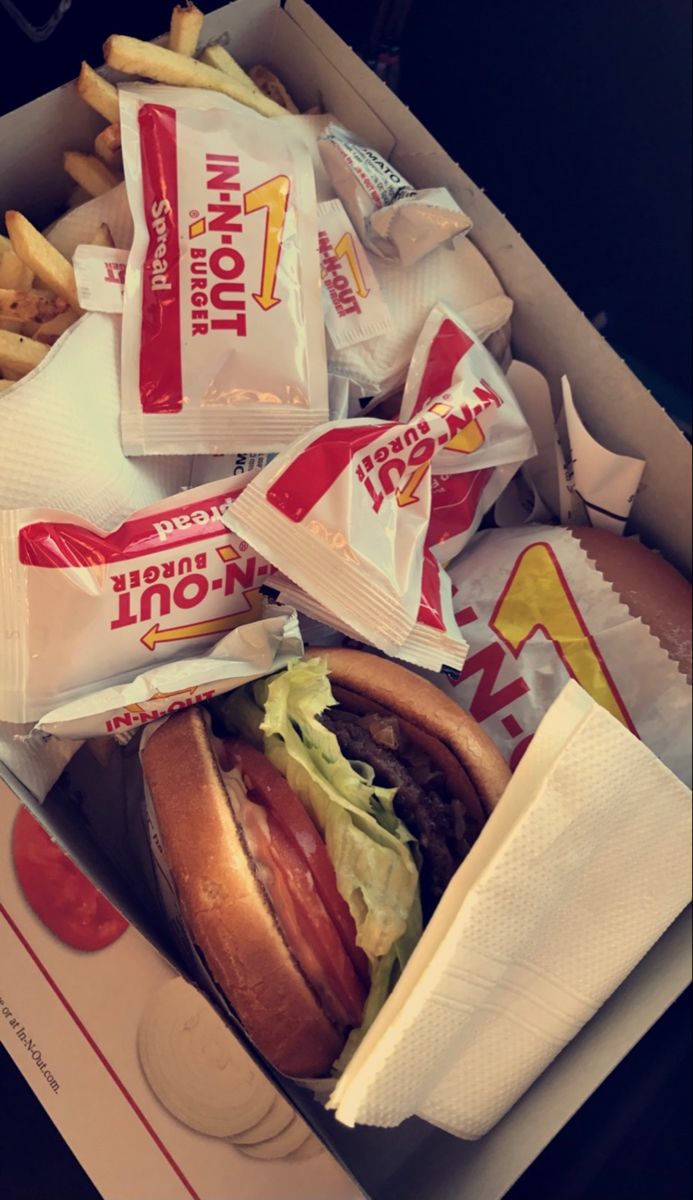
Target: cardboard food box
{"x": 548, "y": 333}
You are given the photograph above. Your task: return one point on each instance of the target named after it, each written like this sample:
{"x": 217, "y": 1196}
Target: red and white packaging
{"x": 434, "y": 641}
{"x": 83, "y": 608}
{"x": 100, "y": 277}
{"x": 353, "y": 303}
{"x": 248, "y": 652}
{"x": 345, "y": 513}
{"x": 536, "y": 613}
{"x": 449, "y": 365}
{"x": 392, "y": 218}
{"x": 223, "y": 265}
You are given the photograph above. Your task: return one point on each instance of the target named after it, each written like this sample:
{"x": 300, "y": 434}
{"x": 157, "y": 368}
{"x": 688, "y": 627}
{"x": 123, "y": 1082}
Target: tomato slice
{"x": 60, "y": 895}
{"x": 297, "y": 872}
{"x": 275, "y": 794}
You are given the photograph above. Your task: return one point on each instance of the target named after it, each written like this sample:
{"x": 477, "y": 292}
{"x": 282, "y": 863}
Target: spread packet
{"x": 223, "y": 265}
{"x": 246, "y": 653}
{"x": 345, "y": 513}
{"x": 392, "y": 218}
{"x": 536, "y": 611}
{"x": 85, "y": 609}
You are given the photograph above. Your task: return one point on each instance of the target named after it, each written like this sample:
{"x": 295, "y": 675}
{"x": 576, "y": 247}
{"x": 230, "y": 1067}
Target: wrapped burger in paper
{"x": 536, "y": 611}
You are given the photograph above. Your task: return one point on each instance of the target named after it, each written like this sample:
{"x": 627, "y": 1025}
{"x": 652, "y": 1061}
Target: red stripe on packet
{"x": 161, "y": 385}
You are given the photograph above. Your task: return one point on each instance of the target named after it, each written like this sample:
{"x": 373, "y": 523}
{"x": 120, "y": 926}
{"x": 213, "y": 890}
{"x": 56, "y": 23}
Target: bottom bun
{"x": 224, "y": 906}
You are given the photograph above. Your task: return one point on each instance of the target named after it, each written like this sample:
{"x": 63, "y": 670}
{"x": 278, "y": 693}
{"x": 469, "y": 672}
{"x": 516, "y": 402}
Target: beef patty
{"x": 423, "y": 802}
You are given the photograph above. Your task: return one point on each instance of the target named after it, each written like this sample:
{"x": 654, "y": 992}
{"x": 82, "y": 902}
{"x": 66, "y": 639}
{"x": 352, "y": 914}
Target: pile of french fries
{"x": 38, "y": 292}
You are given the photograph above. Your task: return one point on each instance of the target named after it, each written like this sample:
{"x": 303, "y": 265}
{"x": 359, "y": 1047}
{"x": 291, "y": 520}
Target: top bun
{"x": 648, "y": 585}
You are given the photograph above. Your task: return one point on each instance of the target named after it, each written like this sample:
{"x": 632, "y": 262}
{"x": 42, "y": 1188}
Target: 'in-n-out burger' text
{"x": 217, "y": 283}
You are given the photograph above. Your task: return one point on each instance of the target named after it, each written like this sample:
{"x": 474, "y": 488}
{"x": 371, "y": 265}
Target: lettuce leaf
{"x": 367, "y": 843}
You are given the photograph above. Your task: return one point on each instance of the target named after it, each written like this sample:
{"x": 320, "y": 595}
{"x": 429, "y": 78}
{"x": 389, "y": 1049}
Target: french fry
{"x": 107, "y": 147}
{"x": 186, "y": 24}
{"x": 19, "y": 354}
{"x": 5, "y": 384}
{"x": 30, "y": 305}
{"x": 271, "y": 86}
{"x": 44, "y": 260}
{"x": 11, "y": 376}
{"x": 219, "y": 58}
{"x": 51, "y": 330}
{"x": 89, "y": 172}
{"x": 165, "y": 66}
{"x": 98, "y": 93}
{"x": 13, "y": 272}
{"x": 102, "y": 237}
{"x": 13, "y": 326}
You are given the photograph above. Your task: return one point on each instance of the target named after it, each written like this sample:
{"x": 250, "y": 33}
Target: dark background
{"x": 576, "y": 118}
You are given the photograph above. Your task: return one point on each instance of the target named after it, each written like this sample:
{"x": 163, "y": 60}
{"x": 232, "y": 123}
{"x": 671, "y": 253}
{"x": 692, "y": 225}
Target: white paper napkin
{"x": 81, "y": 224}
{"x": 60, "y": 442}
{"x": 580, "y": 870}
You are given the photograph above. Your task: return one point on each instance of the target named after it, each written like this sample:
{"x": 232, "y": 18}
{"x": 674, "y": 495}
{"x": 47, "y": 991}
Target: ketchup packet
{"x": 353, "y": 303}
{"x": 537, "y": 612}
{"x": 223, "y": 265}
{"x": 246, "y": 653}
{"x": 392, "y": 218}
{"x": 83, "y": 608}
{"x": 345, "y": 512}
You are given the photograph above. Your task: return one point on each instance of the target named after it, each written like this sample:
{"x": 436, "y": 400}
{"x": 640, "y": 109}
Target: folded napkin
{"x": 60, "y": 444}
{"x": 581, "y": 868}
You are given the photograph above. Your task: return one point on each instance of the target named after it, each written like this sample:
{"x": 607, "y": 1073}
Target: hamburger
{"x": 310, "y": 822}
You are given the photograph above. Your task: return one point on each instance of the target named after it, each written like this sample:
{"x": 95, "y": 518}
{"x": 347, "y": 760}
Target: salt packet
{"x": 223, "y": 264}
{"x": 84, "y": 609}
{"x": 392, "y": 218}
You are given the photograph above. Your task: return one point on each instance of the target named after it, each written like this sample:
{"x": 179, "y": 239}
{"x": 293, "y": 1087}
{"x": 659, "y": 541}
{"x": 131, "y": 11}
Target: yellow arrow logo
{"x": 217, "y": 625}
{"x": 407, "y": 494}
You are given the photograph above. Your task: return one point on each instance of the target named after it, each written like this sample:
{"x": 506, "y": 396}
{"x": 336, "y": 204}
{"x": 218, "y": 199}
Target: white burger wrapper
{"x": 535, "y": 611}
{"x": 582, "y": 867}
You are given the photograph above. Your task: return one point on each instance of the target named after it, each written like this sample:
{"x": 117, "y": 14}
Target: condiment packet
{"x": 85, "y": 609}
{"x": 451, "y": 367}
{"x": 536, "y": 612}
{"x": 60, "y": 444}
{"x": 244, "y": 654}
{"x": 208, "y": 468}
{"x": 346, "y": 512}
{"x": 434, "y": 642}
{"x": 223, "y": 265}
{"x": 393, "y": 219}
{"x": 100, "y": 277}
{"x": 603, "y": 484}
{"x": 460, "y": 278}
{"x": 81, "y": 224}
{"x": 353, "y": 303}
